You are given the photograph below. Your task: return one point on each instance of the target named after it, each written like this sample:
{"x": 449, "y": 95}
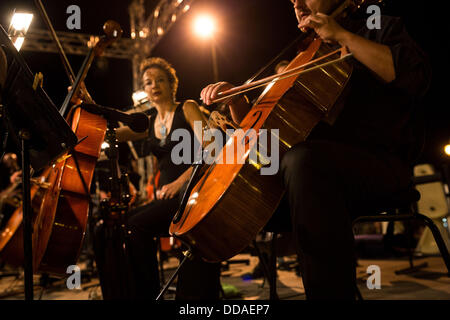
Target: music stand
{"x": 38, "y": 130}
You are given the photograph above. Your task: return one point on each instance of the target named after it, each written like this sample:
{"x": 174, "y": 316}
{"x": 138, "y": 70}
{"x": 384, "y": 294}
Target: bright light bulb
{"x": 20, "y": 22}
{"x": 204, "y": 26}
{"x": 105, "y": 145}
{"x": 447, "y": 149}
{"x": 19, "y": 42}
{"x": 139, "y": 97}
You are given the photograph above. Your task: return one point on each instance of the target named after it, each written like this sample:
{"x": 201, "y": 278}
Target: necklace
{"x": 163, "y": 128}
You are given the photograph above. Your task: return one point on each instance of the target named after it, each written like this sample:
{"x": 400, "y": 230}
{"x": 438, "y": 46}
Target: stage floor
{"x": 428, "y": 283}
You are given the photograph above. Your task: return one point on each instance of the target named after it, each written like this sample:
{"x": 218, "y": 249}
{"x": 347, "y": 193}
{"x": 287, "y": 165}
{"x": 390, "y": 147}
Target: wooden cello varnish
{"x": 232, "y": 202}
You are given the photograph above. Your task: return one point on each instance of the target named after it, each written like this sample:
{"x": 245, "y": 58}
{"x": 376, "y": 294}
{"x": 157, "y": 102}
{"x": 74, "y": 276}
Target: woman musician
{"x": 160, "y": 82}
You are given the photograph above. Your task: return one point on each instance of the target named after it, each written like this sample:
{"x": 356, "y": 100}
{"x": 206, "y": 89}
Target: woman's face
{"x": 157, "y": 85}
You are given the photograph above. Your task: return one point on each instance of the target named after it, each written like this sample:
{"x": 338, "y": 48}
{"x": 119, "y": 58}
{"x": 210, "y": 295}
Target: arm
{"x": 126, "y": 134}
{"x": 239, "y": 106}
{"x": 170, "y": 190}
{"x": 375, "y": 56}
{"x": 193, "y": 114}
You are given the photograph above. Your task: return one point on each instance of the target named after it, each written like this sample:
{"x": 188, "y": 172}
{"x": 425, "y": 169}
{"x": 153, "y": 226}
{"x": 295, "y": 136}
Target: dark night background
{"x": 251, "y": 32}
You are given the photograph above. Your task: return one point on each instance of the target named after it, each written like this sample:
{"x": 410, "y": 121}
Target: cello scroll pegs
{"x": 112, "y": 29}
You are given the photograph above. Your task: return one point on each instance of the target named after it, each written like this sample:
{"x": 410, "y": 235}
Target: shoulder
{"x": 190, "y": 105}
{"x": 392, "y": 25}
{"x": 192, "y": 112}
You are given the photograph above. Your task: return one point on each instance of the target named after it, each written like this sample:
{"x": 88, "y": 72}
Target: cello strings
{"x": 294, "y": 72}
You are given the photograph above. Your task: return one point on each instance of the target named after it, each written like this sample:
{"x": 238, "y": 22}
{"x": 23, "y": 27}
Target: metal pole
{"x": 27, "y": 218}
{"x": 214, "y": 61}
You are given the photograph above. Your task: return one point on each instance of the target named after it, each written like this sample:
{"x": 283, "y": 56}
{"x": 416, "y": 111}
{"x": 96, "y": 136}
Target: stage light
{"x": 20, "y": 22}
{"x": 139, "y": 97}
{"x": 92, "y": 41}
{"x": 447, "y": 149}
{"x": 105, "y": 145}
{"x": 204, "y": 26}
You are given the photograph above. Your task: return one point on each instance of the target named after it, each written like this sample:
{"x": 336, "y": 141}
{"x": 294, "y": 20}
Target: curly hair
{"x": 160, "y": 63}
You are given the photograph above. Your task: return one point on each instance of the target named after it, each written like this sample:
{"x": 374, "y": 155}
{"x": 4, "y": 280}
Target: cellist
{"x": 367, "y": 154}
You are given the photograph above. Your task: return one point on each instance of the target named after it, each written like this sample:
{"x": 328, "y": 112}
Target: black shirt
{"x": 379, "y": 115}
{"x": 162, "y": 150}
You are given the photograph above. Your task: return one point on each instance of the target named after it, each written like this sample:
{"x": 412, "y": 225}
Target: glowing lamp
{"x": 20, "y": 23}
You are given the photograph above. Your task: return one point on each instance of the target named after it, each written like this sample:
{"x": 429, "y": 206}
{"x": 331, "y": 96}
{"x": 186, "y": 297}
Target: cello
{"x": 231, "y": 202}
{"x": 60, "y": 203}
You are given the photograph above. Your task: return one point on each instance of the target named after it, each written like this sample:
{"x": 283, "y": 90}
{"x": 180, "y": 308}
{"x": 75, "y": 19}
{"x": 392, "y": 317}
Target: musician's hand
{"x": 170, "y": 190}
{"x": 209, "y": 93}
{"x": 325, "y": 26}
{"x": 104, "y": 195}
{"x": 16, "y": 177}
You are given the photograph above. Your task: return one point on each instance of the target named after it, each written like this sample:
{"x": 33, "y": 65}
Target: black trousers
{"x": 329, "y": 184}
{"x": 197, "y": 279}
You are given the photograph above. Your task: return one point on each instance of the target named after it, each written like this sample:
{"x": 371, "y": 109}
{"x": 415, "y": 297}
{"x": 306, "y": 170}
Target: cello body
{"x": 59, "y": 204}
{"x": 231, "y": 203}
{"x": 65, "y": 229}
{"x": 11, "y": 236}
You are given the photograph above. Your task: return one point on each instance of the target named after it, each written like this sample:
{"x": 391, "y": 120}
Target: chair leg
{"x": 412, "y": 268}
{"x": 439, "y": 241}
{"x": 273, "y": 268}
{"x": 266, "y": 269}
{"x": 261, "y": 260}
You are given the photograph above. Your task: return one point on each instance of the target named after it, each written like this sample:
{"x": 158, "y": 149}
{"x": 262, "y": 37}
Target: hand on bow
{"x": 210, "y": 92}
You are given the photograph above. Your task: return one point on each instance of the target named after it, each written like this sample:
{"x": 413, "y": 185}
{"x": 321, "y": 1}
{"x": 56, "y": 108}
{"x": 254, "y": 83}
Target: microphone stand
{"x": 27, "y": 215}
{"x": 114, "y": 213}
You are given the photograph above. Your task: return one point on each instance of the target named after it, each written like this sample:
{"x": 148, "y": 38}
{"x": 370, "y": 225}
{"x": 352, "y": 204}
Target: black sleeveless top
{"x": 170, "y": 171}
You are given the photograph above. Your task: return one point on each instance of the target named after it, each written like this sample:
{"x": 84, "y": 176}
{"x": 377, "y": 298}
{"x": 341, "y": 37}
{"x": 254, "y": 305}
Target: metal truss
{"x": 76, "y": 43}
{"x": 148, "y": 31}
{"x": 149, "y": 22}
